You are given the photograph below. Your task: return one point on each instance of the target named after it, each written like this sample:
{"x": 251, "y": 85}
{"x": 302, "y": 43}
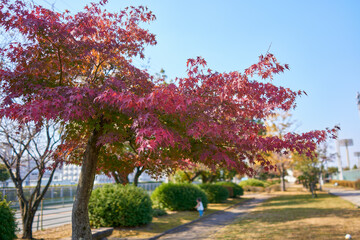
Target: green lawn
{"x": 297, "y": 216}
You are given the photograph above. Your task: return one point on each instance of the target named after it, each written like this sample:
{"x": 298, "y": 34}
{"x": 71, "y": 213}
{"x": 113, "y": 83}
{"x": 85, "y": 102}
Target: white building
{"x": 69, "y": 174}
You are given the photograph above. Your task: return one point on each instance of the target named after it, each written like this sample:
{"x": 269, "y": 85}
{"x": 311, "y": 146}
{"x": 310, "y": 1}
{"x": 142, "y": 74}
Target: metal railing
{"x": 56, "y": 207}
{"x": 61, "y": 194}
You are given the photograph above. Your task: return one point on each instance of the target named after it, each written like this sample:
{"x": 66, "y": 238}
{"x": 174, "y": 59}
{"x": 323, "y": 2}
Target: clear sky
{"x": 320, "y": 40}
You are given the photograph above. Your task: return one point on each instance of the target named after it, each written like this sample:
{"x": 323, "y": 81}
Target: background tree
{"x": 81, "y": 73}
{"x": 324, "y": 157}
{"x": 29, "y": 150}
{"x": 279, "y": 124}
{"x": 4, "y": 173}
{"x": 203, "y": 173}
{"x": 309, "y": 168}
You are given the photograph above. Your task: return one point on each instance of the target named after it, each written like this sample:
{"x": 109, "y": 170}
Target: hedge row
{"x": 115, "y": 205}
{"x": 252, "y": 182}
{"x": 234, "y": 189}
{"x": 215, "y": 193}
{"x": 344, "y": 183}
{"x": 178, "y": 197}
{"x": 8, "y": 224}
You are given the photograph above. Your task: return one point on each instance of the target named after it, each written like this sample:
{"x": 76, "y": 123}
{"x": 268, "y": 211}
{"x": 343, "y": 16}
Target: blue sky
{"x": 320, "y": 40}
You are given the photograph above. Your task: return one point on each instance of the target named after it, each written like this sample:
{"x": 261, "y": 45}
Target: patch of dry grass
{"x": 54, "y": 233}
{"x": 296, "y": 215}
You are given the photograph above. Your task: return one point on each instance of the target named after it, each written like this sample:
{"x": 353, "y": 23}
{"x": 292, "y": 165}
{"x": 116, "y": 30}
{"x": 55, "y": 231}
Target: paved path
{"x": 349, "y": 195}
{"x": 209, "y": 225}
{"x": 53, "y": 216}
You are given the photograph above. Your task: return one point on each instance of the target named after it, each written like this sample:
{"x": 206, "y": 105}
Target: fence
{"x": 61, "y": 194}
{"x": 53, "y": 196}
{"x": 56, "y": 207}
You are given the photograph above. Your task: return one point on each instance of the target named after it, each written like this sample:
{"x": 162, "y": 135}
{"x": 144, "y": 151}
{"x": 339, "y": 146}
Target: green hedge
{"x": 236, "y": 189}
{"x": 8, "y": 224}
{"x": 178, "y": 196}
{"x": 215, "y": 193}
{"x": 157, "y": 212}
{"x": 115, "y": 205}
{"x": 345, "y": 183}
{"x": 252, "y": 183}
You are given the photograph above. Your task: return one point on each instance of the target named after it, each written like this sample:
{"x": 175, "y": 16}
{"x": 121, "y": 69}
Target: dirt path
{"x": 209, "y": 225}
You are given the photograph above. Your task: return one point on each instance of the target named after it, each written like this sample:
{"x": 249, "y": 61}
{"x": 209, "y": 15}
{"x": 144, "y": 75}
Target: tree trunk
{"x": 80, "y": 217}
{"x": 27, "y": 222}
{"x": 120, "y": 178}
{"x": 139, "y": 171}
{"x": 282, "y": 178}
{"x": 313, "y": 189}
{"x": 320, "y": 181}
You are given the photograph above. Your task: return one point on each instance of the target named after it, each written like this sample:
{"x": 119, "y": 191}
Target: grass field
{"x": 296, "y": 215}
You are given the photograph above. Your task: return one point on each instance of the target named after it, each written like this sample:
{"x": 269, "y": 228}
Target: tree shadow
{"x": 295, "y": 200}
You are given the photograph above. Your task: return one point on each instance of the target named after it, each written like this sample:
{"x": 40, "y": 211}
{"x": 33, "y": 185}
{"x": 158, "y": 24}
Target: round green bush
{"x": 236, "y": 189}
{"x": 215, "y": 193}
{"x": 157, "y": 212}
{"x": 8, "y": 224}
{"x": 252, "y": 182}
{"x": 178, "y": 196}
{"x": 115, "y": 205}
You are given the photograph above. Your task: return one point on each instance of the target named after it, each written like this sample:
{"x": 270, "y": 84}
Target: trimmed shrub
{"x": 345, "y": 183}
{"x": 273, "y": 188}
{"x": 252, "y": 182}
{"x": 215, "y": 193}
{"x": 230, "y": 190}
{"x": 115, "y": 205}
{"x": 157, "y": 212}
{"x": 236, "y": 189}
{"x": 273, "y": 181}
{"x": 178, "y": 196}
{"x": 8, "y": 224}
{"x": 253, "y": 189}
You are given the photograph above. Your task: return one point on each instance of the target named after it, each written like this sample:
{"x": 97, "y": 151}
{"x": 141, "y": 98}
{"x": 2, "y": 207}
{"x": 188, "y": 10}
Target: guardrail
{"x": 61, "y": 194}
{"x": 56, "y": 211}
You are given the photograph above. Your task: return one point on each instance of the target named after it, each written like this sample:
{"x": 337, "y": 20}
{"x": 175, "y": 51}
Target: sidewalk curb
{"x": 356, "y": 205}
{"x": 197, "y": 220}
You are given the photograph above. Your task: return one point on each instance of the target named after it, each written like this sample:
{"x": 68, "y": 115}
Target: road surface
{"x": 53, "y": 216}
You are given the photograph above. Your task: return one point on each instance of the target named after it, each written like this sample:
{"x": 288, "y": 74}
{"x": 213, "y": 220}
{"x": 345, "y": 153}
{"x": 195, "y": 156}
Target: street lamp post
{"x": 346, "y": 143}
{"x": 358, "y": 101}
{"x": 341, "y": 176}
{"x": 357, "y": 154}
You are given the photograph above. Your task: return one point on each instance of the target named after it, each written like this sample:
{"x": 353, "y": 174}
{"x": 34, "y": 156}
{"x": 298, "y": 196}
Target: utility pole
{"x": 346, "y": 143}
{"x": 338, "y": 156}
{"x": 357, "y": 154}
{"x": 358, "y": 101}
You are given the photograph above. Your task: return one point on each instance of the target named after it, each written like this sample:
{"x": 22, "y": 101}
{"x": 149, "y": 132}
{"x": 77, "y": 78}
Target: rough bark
{"x": 313, "y": 189}
{"x": 282, "y": 177}
{"x": 29, "y": 207}
{"x": 27, "y": 221}
{"x": 80, "y": 217}
{"x": 120, "y": 178}
{"x": 189, "y": 178}
{"x": 139, "y": 171}
{"x": 320, "y": 180}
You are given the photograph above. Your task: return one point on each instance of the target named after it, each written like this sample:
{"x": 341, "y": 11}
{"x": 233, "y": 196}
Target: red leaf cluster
{"x": 77, "y": 68}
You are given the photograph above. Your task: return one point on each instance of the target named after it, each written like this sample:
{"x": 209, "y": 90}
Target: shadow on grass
{"x": 308, "y": 207}
{"x": 292, "y": 214}
{"x": 296, "y": 200}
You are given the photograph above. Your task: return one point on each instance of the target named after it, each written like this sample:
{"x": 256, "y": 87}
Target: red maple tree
{"x": 78, "y": 69}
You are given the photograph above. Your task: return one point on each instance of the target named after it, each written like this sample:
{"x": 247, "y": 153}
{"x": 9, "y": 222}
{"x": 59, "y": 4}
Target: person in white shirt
{"x": 199, "y": 207}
